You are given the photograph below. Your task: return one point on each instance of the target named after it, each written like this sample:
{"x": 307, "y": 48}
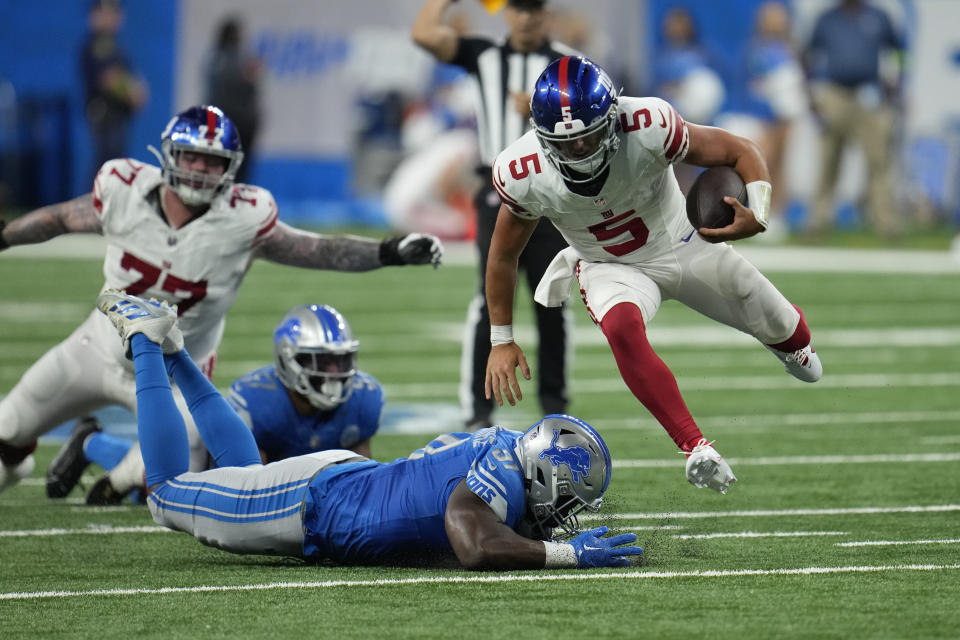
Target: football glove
{"x": 3, "y": 243}
{"x": 593, "y": 550}
{"x": 413, "y": 248}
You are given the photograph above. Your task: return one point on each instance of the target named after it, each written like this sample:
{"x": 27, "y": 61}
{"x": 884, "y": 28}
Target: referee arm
{"x": 430, "y": 32}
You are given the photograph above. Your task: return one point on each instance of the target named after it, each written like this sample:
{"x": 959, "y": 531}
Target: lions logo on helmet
{"x": 567, "y": 468}
{"x": 315, "y": 354}
{"x": 574, "y": 114}
{"x": 202, "y": 129}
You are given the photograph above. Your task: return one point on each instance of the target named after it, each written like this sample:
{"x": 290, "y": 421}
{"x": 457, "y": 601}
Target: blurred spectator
{"x": 682, "y": 74}
{"x": 233, "y": 77}
{"x": 855, "y": 100}
{"x": 431, "y": 189}
{"x": 778, "y": 93}
{"x": 113, "y": 91}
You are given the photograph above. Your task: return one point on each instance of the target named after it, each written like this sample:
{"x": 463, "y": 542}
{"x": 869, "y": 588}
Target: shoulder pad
{"x": 656, "y": 125}
{"x": 514, "y": 172}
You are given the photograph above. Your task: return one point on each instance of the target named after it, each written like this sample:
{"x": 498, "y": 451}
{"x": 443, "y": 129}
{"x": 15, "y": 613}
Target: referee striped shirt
{"x": 498, "y": 71}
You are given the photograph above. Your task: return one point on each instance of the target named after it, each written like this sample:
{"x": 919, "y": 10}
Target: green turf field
{"x": 845, "y": 522}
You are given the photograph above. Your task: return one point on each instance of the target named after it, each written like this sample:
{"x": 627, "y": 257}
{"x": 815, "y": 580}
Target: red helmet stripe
{"x": 211, "y": 124}
{"x": 564, "y": 85}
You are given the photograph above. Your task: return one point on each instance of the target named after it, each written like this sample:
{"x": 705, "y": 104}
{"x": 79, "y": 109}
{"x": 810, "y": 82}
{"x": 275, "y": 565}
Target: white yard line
{"x": 817, "y": 460}
{"x": 883, "y": 543}
{"x": 720, "y": 383}
{"x": 540, "y": 577}
{"x": 758, "y": 534}
{"x": 767, "y": 513}
{"x": 93, "y": 529}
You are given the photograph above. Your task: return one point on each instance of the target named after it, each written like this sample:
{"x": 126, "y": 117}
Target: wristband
{"x": 3, "y": 243}
{"x": 501, "y": 334}
{"x": 759, "y": 193}
{"x": 559, "y": 555}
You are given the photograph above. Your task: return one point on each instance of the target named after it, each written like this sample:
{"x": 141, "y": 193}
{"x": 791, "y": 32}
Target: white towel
{"x": 554, "y": 287}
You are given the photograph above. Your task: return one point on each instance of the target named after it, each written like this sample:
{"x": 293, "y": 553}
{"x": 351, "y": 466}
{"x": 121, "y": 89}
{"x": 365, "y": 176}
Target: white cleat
{"x": 802, "y": 364}
{"x": 707, "y": 468}
{"x": 153, "y": 318}
{"x": 10, "y": 476}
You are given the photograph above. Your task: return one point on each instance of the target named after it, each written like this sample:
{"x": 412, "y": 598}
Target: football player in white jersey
{"x": 184, "y": 233}
{"x": 599, "y": 166}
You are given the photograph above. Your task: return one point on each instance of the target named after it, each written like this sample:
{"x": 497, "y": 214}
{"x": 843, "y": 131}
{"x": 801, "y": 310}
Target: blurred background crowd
{"x": 856, "y": 104}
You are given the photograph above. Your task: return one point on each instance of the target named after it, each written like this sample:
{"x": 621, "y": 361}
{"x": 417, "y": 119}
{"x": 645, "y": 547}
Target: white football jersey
{"x": 199, "y": 266}
{"x": 640, "y": 211}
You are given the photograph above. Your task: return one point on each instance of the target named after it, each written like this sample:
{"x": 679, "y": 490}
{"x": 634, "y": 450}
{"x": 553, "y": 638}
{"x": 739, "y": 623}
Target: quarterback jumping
{"x": 599, "y": 166}
{"x": 185, "y": 233}
{"x": 493, "y": 499}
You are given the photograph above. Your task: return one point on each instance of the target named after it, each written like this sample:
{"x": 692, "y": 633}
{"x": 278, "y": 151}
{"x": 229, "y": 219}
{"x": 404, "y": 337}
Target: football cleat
{"x": 16, "y": 463}
{"x": 707, "y": 468}
{"x": 69, "y": 463}
{"x": 153, "y": 318}
{"x": 803, "y": 364}
{"x": 102, "y": 493}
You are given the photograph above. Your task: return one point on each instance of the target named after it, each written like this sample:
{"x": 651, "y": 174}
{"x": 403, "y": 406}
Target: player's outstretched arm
{"x": 712, "y": 147}
{"x": 298, "y": 248}
{"x": 73, "y": 216}
{"x": 481, "y": 541}
{"x": 510, "y": 236}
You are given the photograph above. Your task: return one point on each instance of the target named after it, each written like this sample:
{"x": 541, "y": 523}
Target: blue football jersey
{"x": 262, "y": 401}
{"x": 366, "y": 511}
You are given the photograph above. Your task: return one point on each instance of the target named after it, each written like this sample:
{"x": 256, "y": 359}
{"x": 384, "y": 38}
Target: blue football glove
{"x": 595, "y": 551}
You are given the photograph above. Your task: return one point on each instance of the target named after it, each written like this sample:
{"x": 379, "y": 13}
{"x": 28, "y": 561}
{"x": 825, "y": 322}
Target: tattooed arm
{"x": 72, "y": 216}
{"x": 294, "y": 247}
{"x": 298, "y": 248}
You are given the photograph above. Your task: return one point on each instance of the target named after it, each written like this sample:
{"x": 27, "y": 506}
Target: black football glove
{"x": 3, "y": 243}
{"x": 413, "y": 248}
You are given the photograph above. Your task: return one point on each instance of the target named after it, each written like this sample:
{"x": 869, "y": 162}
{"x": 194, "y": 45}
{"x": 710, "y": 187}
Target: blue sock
{"x": 226, "y": 435}
{"x": 106, "y": 450}
{"x": 162, "y": 432}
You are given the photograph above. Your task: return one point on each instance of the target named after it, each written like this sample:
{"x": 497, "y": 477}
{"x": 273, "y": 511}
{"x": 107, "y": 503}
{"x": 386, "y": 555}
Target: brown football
{"x": 705, "y": 205}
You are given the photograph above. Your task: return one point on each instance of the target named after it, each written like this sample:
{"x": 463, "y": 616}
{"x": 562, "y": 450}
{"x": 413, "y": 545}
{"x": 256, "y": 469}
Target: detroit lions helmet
{"x": 315, "y": 354}
{"x": 574, "y": 114}
{"x": 566, "y": 468}
{"x": 202, "y": 129}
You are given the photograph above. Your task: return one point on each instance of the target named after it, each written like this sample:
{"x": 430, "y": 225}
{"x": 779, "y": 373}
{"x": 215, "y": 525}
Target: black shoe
{"x": 68, "y": 465}
{"x": 102, "y": 493}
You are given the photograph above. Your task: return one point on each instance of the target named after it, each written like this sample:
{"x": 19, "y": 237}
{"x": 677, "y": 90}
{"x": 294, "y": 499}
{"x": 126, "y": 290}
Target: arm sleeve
{"x": 468, "y": 51}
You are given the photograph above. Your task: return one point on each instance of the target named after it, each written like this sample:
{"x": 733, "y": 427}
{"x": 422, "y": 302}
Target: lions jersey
{"x": 640, "y": 211}
{"x": 262, "y": 401}
{"x": 199, "y": 266}
{"x": 365, "y": 511}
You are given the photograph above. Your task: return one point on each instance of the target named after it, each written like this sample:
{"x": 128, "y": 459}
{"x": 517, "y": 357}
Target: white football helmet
{"x": 566, "y": 467}
{"x": 315, "y": 354}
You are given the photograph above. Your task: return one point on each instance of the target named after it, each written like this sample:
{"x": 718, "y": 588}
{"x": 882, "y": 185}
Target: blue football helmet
{"x": 566, "y": 468}
{"x": 574, "y": 114}
{"x": 315, "y": 354}
{"x": 202, "y": 129}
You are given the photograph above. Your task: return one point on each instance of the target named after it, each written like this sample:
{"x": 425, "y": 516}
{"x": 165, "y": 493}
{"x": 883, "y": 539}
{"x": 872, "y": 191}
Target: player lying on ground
{"x": 185, "y": 233}
{"x": 311, "y": 399}
{"x": 466, "y": 493}
{"x": 599, "y": 167}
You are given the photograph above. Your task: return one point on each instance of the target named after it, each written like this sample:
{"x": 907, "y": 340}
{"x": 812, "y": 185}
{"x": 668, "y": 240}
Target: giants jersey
{"x": 262, "y": 401}
{"x": 199, "y": 266}
{"x": 640, "y": 211}
{"x": 365, "y": 511}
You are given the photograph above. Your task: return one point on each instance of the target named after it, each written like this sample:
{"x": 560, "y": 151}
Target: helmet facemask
{"x": 581, "y": 153}
{"x": 323, "y": 377}
{"x": 197, "y": 187}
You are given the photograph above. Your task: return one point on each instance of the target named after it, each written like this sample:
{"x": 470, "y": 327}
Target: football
{"x": 705, "y": 205}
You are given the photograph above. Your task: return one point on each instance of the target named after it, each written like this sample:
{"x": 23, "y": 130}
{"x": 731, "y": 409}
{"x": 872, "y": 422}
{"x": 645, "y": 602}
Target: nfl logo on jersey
{"x": 599, "y": 202}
